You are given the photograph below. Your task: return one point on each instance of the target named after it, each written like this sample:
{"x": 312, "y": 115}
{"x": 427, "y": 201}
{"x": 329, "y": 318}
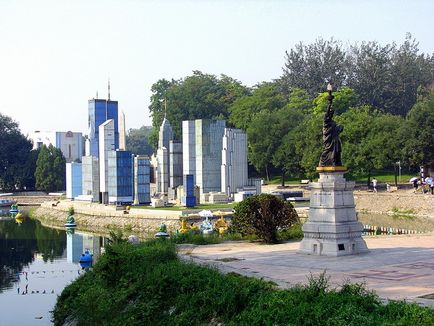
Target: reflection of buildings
{"x": 77, "y": 242}
{"x": 70, "y": 143}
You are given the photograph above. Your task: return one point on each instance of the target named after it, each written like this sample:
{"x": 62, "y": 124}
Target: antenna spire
{"x": 165, "y": 108}
{"x": 96, "y": 94}
{"x": 109, "y": 89}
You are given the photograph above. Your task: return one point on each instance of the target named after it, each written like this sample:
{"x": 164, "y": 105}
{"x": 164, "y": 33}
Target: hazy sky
{"x": 55, "y": 55}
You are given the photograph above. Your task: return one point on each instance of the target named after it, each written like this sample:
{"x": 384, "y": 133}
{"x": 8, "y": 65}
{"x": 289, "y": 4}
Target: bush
{"x": 263, "y": 215}
{"x": 294, "y": 232}
{"x": 147, "y": 284}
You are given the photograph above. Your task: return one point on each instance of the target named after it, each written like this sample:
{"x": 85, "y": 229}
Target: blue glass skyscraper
{"x": 100, "y": 111}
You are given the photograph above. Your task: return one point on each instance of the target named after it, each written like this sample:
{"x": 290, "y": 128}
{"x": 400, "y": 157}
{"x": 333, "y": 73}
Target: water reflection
{"x": 78, "y": 242}
{"x": 37, "y": 262}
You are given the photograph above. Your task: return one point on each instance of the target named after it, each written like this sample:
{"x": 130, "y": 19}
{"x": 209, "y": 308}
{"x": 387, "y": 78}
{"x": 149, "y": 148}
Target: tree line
{"x": 24, "y": 168}
{"x": 384, "y": 99}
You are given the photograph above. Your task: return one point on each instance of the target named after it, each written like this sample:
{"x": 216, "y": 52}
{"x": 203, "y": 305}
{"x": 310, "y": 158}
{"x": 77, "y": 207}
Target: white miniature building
{"x": 106, "y": 144}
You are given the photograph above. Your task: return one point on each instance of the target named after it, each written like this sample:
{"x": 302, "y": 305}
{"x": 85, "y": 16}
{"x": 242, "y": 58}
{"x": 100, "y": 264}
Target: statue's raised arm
{"x": 331, "y": 155}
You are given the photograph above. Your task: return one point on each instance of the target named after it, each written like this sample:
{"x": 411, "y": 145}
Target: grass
{"x": 179, "y": 208}
{"x": 385, "y": 177}
{"x": 147, "y": 284}
{"x": 403, "y": 213}
{"x": 381, "y": 176}
{"x": 277, "y": 180}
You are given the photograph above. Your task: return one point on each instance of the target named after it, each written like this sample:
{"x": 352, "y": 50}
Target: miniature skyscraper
{"x": 101, "y": 110}
{"x": 106, "y": 145}
{"x": 165, "y": 136}
{"x": 142, "y": 192}
{"x": 122, "y": 132}
{"x": 234, "y": 161}
{"x": 209, "y": 140}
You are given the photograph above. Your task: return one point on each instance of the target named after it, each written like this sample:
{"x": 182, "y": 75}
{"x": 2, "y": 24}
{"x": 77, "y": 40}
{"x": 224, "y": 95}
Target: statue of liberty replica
{"x": 332, "y": 228}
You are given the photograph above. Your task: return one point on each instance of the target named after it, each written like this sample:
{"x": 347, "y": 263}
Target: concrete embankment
{"x": 418, "y": 204}
{"x": 104, "y": 218}
{"x": 30, "y": 200}
{"x": 146, "y": 221}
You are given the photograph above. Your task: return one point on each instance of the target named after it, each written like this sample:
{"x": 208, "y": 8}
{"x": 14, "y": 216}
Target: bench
{"x": 304, "y": 181}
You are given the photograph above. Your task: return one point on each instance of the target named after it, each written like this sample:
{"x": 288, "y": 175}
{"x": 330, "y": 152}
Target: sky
{"x": 55, "y": 55}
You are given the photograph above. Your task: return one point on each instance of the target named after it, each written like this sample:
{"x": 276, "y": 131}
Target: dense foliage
{"x": 147, "y": 285}
{"x": 263, "y": 215}
{"x": 384, "y": 99}
{"x": 384, "y": 76}
{"x": 16, "y": 158}
{"x": 137, "y": 141}
{"x": 199, "y": 96}
{"x": 50, "y": 169}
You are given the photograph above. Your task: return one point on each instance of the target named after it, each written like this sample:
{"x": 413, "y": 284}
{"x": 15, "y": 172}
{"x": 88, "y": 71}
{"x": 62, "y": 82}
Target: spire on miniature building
{"x": 122, "y": 131}
{"x": 108, "y": 89}
{"x": 165, "y": 108}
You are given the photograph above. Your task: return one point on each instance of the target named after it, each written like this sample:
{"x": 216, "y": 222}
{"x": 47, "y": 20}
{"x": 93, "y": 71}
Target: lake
{"x": 37, "y": 262}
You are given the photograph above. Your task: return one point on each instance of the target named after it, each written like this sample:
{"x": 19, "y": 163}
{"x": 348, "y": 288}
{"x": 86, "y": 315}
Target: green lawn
{"x": 381, "y": 176}
{"x": 178, "y": 208}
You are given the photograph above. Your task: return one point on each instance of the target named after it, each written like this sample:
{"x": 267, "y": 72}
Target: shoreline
{"x": 144, "y": 221}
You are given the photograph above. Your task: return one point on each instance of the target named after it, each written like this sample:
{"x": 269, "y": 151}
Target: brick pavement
{"x": 397, "y": 267}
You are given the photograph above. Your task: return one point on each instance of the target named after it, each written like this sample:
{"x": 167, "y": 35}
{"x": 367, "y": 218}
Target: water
{"x": 37, "y": 262}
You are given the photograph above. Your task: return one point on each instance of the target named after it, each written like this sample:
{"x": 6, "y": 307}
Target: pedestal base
{"x": 332, "y": 228}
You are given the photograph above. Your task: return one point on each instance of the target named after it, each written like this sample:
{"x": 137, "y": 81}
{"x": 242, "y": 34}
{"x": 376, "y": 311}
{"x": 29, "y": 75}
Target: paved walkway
{"x": 397, "y": 267}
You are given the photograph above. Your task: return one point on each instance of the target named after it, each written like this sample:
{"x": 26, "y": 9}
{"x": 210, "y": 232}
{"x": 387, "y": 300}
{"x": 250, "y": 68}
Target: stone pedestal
{"x": 332, "y": 228}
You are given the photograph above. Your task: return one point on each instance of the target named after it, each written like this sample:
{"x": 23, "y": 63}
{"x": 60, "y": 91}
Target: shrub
{"x": 70, "y": 211}
{"x": 293, "y": 232}
{"x": 263, "y": 215}
{"x": 147, "y": 284}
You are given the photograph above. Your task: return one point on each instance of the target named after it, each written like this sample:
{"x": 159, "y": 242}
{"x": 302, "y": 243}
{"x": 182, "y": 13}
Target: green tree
{"x": 28, "y": 180}
{"x": 137, "y": 141}
{"x": 418, "y": 133}
{"x": 369, "y": 140}
{"x": 199, "y": 96}
{"x": 289, "y": 118}
{"x": 264, "y": 97}
{"x": 263, "y": 215}
{"x": 311, "y": 66}
{"x": 50, "y": 169}
{"x": 14, "y": 153}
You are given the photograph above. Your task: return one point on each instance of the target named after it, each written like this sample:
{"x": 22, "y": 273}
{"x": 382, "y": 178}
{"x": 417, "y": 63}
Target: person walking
{"x": 374, "y": 184}
{"x": 430, "y": 184}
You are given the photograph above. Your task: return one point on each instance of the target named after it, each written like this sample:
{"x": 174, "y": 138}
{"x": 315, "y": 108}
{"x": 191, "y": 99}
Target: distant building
{"x": 120, "y": 177}
{"x": 234, "y": 161}
{"x": 74, "y": 180}
{"x": 100, "y": 111}
{"x": 70, "y": 143}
